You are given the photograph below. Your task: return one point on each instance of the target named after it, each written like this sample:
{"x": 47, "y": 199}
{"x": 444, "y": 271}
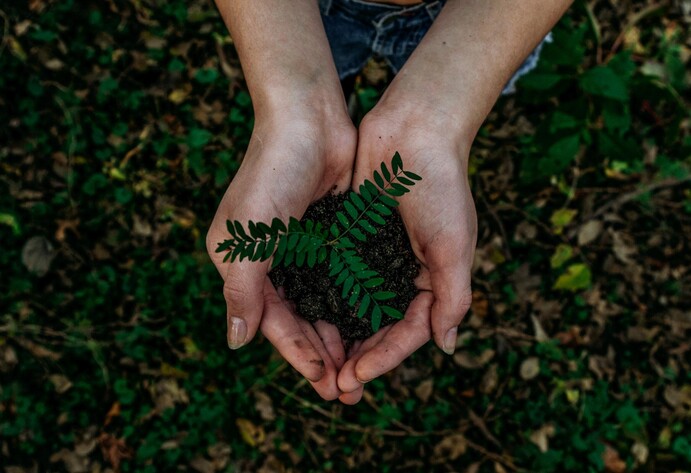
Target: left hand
{"x": 440, "y": 218}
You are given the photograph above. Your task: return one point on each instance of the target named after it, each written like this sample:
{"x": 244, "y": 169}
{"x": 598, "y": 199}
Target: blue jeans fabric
{"x": 359, "y": 29}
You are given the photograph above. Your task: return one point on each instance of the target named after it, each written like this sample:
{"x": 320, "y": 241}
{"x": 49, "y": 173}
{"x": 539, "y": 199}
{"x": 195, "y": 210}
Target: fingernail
{"x": 450, "y": 341}
{"x": 361, "y": 381}
{"x": 237, "y": 332}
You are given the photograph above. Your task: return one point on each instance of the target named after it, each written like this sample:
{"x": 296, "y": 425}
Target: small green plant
{"x": 311, "y": 243}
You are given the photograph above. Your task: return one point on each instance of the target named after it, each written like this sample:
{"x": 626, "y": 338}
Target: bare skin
{"x": 431, "y": 119}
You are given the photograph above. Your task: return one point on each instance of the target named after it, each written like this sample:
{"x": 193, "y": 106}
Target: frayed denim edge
{"x": 528, "y": 65}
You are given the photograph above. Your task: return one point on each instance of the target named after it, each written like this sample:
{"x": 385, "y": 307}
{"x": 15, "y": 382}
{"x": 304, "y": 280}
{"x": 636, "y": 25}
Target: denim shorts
{"x": 360, "y": 29}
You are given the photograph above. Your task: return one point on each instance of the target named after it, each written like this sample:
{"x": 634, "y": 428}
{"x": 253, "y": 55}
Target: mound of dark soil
{"x": 313, "y": 291}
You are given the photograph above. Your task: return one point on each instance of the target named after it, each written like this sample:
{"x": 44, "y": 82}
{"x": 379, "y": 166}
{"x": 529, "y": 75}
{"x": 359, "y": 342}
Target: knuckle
{"x": 237, "y": 295}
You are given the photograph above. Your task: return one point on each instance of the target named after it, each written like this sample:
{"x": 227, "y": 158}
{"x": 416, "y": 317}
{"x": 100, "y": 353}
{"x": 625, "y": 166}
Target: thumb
{"x": 243, "y": 290}
{"x": 452, "y": 299}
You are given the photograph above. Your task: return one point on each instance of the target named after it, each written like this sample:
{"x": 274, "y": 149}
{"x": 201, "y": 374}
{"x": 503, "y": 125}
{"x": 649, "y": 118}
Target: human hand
{"x": 440, "y": 218}
{"x": 293, "y": 159}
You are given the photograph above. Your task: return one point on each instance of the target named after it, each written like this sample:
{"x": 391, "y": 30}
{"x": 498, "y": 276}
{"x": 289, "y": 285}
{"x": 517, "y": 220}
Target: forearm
{"x": 284, "y": 53}
{"x": 469, "y": 54}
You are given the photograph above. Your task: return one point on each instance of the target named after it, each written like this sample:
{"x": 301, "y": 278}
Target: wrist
{"x": 418, "y": 117}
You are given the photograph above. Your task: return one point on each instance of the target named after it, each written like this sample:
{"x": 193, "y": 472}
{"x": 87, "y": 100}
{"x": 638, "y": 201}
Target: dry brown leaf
{"x": 37, "y": 255}
{"x": 424, "y": 389}
{"x": 38, "y": 350}
{"x": 113, "y": 412}
{"x": 613, "y": 463}
{"x": 72, "y": 462}
{"x": 8, "y": 358}
{"x": 450, "y": 448}
{"x": 114, "y": 450}
{"x": 166, "y": 393}
{"x": 490, "y": 380}
{"x": 624, "y": 247}
{"x": 540, "y": 334}
{"x": 220, "y": 454}
{"x": 468, "y": 361}
{"x": 480, "y": 304}
{"x": 640, "y": 452}
{"x": 541, "y": 437}
{"x": 589, "y": 231}
{"x": 202, "y": 465}
{"x": 265, "y": 406}
{"x": 530, "y": 368}
{"x": 61, "y": 383}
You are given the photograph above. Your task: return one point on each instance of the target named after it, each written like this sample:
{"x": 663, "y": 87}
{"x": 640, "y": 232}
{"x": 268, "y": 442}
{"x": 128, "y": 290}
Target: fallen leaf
{"x": 468, "y": 361}
{"x": 589, "y": 231}
{"x": 424, "y": 390}
{"x": 490, "y": 380}
{"x": 114, "y": 450}
{"x": 252, "y": 435}
{"x": 530, "y": 368}
{"x": 60, "y": 382}
{"x": 613, "y": 463}
{"x": 73, "y": 463}
{"x": 562, "y": 218}
{"x": 561, "y": 255}
{"x": 576, "y": 277}
{"x": 202, "y": 465}
{"x": 264, "y": 406}
{"x": 640, "y": 452}
{"x": 37, "y": 255}
{"x": 541, "y": 437}
{"x": 540, "y": 334}
{"x": 450, "y": 448}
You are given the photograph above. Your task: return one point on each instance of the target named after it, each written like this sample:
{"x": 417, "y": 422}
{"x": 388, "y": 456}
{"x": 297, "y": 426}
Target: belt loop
{"x": 325, "y": 7}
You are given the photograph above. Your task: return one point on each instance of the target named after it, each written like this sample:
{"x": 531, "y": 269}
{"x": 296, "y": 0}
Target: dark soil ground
{"x": 317, "y": 298}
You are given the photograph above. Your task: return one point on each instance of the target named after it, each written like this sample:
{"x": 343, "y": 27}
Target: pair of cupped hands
{"x": 296, "y": 155}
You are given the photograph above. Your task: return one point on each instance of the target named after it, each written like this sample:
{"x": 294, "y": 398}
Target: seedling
{"x": 311, "y": 243}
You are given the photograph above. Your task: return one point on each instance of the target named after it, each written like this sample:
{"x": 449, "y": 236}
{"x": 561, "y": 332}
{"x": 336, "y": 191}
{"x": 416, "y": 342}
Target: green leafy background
{"x": 124, "y": 121}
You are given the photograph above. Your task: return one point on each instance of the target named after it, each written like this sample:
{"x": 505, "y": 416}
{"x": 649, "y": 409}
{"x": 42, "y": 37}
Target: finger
{"x": 404, "y": 338}
{"x": 327, "y": 386}
{"x": 243, "y": 290}
{"x": 352, "y": 398}
{"x": 282, "y": 329}
{"x": 331, "y": 338}
{"x": 347, "y": 379}
{"x": 452, "y": 299}
{"x": 423, "y": 281}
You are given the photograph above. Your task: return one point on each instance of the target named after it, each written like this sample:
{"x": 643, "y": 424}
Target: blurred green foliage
{"x": 123, "y": 123}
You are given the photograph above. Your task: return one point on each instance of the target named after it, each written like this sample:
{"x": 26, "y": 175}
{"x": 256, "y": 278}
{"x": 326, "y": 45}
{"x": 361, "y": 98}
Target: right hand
{"x": 292, "y": 160}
